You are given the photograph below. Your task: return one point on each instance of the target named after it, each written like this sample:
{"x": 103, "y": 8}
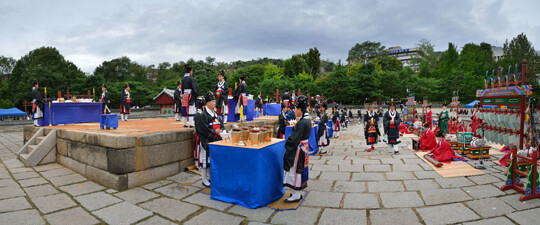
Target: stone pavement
{"x": 348, "y": 186}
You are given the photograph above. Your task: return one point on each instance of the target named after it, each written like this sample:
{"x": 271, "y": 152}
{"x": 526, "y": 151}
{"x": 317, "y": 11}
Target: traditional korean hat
{"x": 439, "y": 134}
{"x": 126, "y": 85}
{"x": 187, "y": 68}
{"x": 324, "y": 105}
{"x": 444, "y": 104}
{"x": 209, "y": 96}
{"x": 104, "y": 85}
{"x": 243, "y": 78}
{"x": 34, "y": 82}
{"x": 221, "y": 73}
{"x": 302, "y": 102}
{"x": 179, "y": 82}
{"x": 200, "y": 102}
{"x": 392, "y": 103}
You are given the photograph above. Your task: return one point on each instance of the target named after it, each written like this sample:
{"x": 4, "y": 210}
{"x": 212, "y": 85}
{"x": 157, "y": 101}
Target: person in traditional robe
{"x": 190, "y": 92}
{"x": 295, "y": 160}
{"x": 201, "y": 104}
{"x": 37, "y": 103}
{"x": 444, "y": 120}
{"x": 282, "y": 121}
{"x": 380, "y": 114}
{"x": 442, "y": 151}
{"x": 391, "y": 122}
{"x": 343, "y": 118}
{"x": 293, "y": 98}
{"x": 475, "y": 120}
{"x": 429, "y": 117}
{"x": 259, "y": 103}
{"x": 427, "y": 141}
{"x": 351, "y": 117}
{"x": 403, "y": 129}
{"x": 208, "y": 128}
{"x": 221, "y": 90}
{"x": 125, "y": 103}
{"x": 240, "y": 96}
{"x": 290, "y": 113}
{"x": 322, "y": 133}
{"x": 371, "y": 128}
{"x": 104, "y": 100}
{"x": 178, "y": 101}
{"x": 286, "y": 98}
{"x": 359, "y": 115}
{"x": 335, "y": 122}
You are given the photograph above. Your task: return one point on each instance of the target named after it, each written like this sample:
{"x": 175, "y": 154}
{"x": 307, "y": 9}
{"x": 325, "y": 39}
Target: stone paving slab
{"x": 204, "y": 200}
{"x": 211, "y": 216}
{"x": 401, "y": 200}
{"x": 290, "y": 217}
{"x": 53, "y": 203}
{"x": 345, "y": 186}
{"x": 71, "y": 216}
{"x": 8, "y": 183}
{"x": 21, "y": 170}
{"x": 490, "y": 207}
{"x": 325, "y": 168}
{"x": 320, "y": 185}
{"x": 399, "y": 176}
{"x": 491, "y": 221}
{"x": 11, "y": 192}
{"x": 343, "y": 217}
{"x": 260, "y": 214}
{"x": 426, "y": 174}
{"x": 335, "y": 176}
{"x": 177, "y": 191}
{"x": 157, "y": 184}
{"x": 171, "y": 208}
{"x": 393, "y": 216}
{"x": 385, "y": 186}
{"x": 82, "y": 188}
{"x": 136, "y": 195}
{"x": 67, "y": 179}
{"x": 40, "y": 191}
{"x": 483, "y": 191}
{"x": 417, "y": 185}
{"x": 454, "y": 182}
{"x": 367, "y": 176}
{"x": 32, "y": 182}
{"x": 323, "y": 199}
{"x": 360, "y": 201}
{"x": 513, "y": 200}
{"x": 25, "y": 175}
{"x": 24, "y": 217}
{"x": 442, "y": 196}
{"x": 122, "y": 213}
{"x": 156, "y": 220}
{"x": 185, "y": 178}
{"x": 14, "y": 204}
{"x": 50, "y": 166}
{"x": 484, "y": 179}
{"x": 97, "y": 200}
{"x": 56, "y": 172}
{"x": 351, "y": 168}
{"x": 377, "y": 168}
{"x": 529, "y": 216}
{"x": 447, "y": 214}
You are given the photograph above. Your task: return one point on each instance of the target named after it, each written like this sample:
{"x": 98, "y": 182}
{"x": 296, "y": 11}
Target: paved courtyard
{"x": 348, "y": 186}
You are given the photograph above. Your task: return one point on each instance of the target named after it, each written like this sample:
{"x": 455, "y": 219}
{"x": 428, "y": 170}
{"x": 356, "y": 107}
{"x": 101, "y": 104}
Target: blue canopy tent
{"x": 11, "y": 112}
{"x": 471, "y": 105}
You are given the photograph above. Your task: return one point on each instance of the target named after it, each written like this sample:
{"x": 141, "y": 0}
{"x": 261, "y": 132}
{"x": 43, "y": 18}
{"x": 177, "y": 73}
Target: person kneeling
{"x": 427, "y": 141}
{"x": 208, "y": 126}
{"x": 295, "y": 161}
{"x": 442, "y": 152}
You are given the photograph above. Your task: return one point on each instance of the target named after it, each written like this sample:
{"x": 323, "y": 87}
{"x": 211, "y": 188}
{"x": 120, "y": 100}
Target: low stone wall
{"x": 124, "y": 161}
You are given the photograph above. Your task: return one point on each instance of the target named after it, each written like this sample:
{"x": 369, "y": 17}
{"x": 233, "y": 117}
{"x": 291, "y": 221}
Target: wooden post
{"x": 68, "y": 96}
{"x": 499, "y": 76}
{"x": 277, "y": 96}
{"x": 524, "y": 72}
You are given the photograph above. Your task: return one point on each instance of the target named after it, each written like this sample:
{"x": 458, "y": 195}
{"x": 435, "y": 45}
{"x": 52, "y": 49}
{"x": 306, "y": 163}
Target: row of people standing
{"x": 390, "y": 121}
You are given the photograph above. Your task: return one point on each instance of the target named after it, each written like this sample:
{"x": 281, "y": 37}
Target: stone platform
{"x": 138, "y": 152}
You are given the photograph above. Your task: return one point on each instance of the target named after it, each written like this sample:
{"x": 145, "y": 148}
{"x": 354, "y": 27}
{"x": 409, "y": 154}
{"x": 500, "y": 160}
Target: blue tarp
{"x": 249, "y": 177}
{"x": 12, "y": 112}
{"x": 271, "y": 109}
{"x": 471, "y": 105}
{"x": 67, "y": 113}
{"x": 249, "y": 111}
{"x": 313, "y": 147}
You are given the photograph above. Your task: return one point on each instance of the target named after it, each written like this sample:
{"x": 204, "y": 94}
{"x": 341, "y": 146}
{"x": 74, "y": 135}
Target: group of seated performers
{"x": 435, "y": 143}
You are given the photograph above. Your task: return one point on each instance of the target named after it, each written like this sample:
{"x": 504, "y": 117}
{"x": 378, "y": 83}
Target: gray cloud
{"x": 151, "y": 32}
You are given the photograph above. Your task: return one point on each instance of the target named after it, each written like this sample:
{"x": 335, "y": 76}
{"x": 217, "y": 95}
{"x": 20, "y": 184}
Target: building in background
{"x": 497, "y": 53}
{"x": 165, "y": 100}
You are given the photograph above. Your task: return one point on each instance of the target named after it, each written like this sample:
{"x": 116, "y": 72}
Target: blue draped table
{"x": 249, "y": 111}
{"x": 249, "y": 176}
{"x": 313, "y": 146}
{"x": 271, "y": 109}
{"x": 68, "y": 113}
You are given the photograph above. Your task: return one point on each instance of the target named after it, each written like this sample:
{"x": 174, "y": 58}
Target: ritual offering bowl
{"x": 235, "y": 135}
{"x": 270, "y": 132}
{"x": 254, "y": 136}
{"x": 262, "y": 136}
{"x": 245, "y": 134}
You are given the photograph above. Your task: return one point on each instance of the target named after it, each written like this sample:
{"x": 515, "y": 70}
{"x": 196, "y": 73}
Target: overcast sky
{"x": 149, "y": 32}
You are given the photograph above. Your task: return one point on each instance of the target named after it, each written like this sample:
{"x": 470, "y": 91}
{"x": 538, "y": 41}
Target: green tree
{"x": 425, "y": 61}
{"x": 449, "y": 61}
{"x": 388, "y": 63}
{"x": 294, "y": 66}
{"x": 362, "y": 52}
{"x": 120, "y": 70}
{"x": 6, "y": 65}
{"x": 50, "y": 68}
{"x": 313, "y": 60}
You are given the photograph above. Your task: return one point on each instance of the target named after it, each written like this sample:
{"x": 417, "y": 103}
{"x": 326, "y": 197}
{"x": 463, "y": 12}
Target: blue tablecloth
{"x": 313, "y": 146}
{"x": 256, "y": 114}
{"x": 249, "y": 111}
{"x": 248, "y": 177}
{"x": 330, "y": 130}
{"x": 271, "y": 109}
{"x": 67, "y": 113}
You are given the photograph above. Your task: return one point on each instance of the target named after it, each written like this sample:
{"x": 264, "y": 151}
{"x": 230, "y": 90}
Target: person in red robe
{"x": 475, "y": 121}
{"x": 428, "y": 140}
{"x": 429, "y": 117}
{"x": 442, "y": 152}
{"x": 403, "y": 129}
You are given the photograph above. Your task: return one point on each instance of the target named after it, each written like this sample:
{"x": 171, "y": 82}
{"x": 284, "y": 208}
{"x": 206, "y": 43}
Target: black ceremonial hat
{"x": 209, "y": 96}
{"x": 302, "y": 102}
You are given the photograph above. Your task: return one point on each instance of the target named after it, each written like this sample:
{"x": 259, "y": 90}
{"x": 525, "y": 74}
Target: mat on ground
{"x": 278, "y": 205}
{"x": 454, "y": 169}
